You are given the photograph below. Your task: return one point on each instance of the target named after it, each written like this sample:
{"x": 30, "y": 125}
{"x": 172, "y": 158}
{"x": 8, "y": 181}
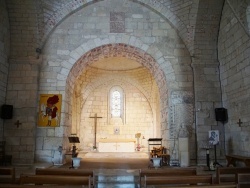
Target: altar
{"x": 116, "y": 145}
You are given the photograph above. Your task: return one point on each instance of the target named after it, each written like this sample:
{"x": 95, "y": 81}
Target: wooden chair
{"x": 229, "y": 174}
{"x": 7, "y": 175}
{"x": 165, "y": 173}
{"x": 40, "y": 186}
{"x": 243, "y": 180}
{"x": 4, "y": 159}
{"x": 201, "y": 186}
{"x": 66, "y": 172}
{"x": 177, "y": 180}
{"x": 54, "y": 180}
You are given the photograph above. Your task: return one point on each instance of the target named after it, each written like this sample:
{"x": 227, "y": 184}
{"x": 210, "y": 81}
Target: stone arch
{"x": 119, "y": 49}
{"x": 124, "y": 50}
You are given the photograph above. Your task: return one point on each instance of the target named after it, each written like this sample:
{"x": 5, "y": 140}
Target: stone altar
{"x": 116, "y": 145}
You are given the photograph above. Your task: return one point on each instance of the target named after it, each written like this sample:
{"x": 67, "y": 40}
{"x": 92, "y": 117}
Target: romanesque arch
{"x": 122, "y": 50}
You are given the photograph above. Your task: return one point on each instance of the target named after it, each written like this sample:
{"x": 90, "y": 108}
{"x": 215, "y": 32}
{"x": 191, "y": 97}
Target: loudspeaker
{"x": 7, "y": 111}
{"x": 221, "y": 114}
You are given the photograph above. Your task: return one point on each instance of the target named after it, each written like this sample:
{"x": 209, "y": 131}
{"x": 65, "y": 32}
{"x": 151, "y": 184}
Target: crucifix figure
{"x": 95, "y": 117}
{"x": 240, "y": 122}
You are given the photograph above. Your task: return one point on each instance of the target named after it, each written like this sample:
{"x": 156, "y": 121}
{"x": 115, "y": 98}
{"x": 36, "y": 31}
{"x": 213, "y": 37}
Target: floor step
{"x": 117, "y": 185}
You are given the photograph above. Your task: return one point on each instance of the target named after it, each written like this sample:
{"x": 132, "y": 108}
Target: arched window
{"x": 116, "y": 102}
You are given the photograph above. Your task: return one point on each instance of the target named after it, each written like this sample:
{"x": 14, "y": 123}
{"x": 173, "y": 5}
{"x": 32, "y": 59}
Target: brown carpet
{"x": 111, "y": 163}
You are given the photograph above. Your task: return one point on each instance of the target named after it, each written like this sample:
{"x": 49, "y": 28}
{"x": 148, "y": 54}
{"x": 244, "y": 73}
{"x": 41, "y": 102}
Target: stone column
{"x": 207, "y": 98}
{"x": 183, "y": 140}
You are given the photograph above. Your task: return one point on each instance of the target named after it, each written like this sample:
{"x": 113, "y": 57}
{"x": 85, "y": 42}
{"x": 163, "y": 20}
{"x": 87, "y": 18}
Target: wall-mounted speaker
{"x": 6, "y": 111}
{"x": 221, "y": 114}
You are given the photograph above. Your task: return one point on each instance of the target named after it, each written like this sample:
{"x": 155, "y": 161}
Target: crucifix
{"x": 239, "y": 123}
{"x": 18, "y": 123}
{"x": 95, "y": 117}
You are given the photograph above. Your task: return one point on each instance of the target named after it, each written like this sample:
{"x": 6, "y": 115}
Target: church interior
{"x": 116, "y": 81}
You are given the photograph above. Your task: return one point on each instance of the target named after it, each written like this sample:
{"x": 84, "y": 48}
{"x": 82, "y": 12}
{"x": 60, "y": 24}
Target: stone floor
{"x": 110, "y": 170}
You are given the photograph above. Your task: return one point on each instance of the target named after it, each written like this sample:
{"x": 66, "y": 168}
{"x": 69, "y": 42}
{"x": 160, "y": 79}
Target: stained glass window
{"x": 116, "y": 104}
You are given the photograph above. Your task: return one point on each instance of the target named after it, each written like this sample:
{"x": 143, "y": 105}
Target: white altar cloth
{"x": 116, "y": 145}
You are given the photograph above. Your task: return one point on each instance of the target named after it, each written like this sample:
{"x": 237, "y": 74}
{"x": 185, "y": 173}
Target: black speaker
{"x": 7, "y": 111}
{"x": 221, "y": 114}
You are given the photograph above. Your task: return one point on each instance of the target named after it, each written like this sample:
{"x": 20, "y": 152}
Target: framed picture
{"x": 49, "y": 110}
{"x": 213, "y": 137}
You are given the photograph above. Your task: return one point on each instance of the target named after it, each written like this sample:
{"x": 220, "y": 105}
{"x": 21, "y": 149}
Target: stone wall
{"x": 51, "y": 13}
{"x": 4, "y": 55}
{"x": 22, "y": 81}
{"x": 234, "y": 55}
{"x": 139, "y": 115}
{"x": 145, "y": 37}
{"x": 166, "y": 32}
{"x": 24, "y": 28}
{"x": 207, "y": 91}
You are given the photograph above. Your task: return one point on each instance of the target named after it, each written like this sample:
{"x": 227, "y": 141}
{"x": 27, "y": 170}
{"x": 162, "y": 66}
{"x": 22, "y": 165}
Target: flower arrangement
{"x": 138, "y": 147}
